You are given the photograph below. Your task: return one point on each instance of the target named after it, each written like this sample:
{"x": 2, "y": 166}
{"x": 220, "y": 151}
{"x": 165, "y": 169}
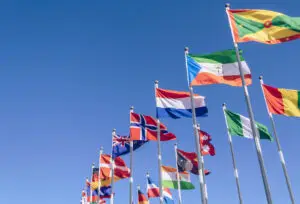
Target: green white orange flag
{"x": 263, "y": 26}
{"x": 282, "y": 101}
{"x": 217, "y": 68}
{"x": 169, "y": 179}
{"x": 240, "y": 126}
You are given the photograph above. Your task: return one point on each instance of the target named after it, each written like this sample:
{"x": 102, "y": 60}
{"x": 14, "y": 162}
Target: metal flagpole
{"x": 197, "y": 141}
{"x": 159, "y": 153}
{"x": 288, "y": 183}
{"x": 138, "y": 188}
{"x": 112, "y": 162}
{"x": 83, "y": 197}
{"x": 99, "y": 172}
{"x": 91, "y": 189}
{"x": 250, "y": 112}
{"x": 202, "y": 164}
{"x": 178, "y": 177}
{"x": 131, "y": 165}
{"x": 236, "y": 175}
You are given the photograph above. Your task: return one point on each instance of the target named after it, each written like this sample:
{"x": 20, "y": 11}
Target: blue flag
{"x": 121, "y": 145}
{"x": 105, "y": 192}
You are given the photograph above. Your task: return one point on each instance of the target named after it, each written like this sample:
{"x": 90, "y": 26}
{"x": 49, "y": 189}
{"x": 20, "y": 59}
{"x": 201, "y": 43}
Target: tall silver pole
{"x": 138, "y": 188}
{"x": 99, "y": 172}
{"x": 197, "y": 140}
{"x": 131, "y": 166}
{"x": 178, "y": 177}
{"x": 202, "y": 164}
{"x": 91, "y": 189}
{"x": 251, "y": 115}
{"x": 112, "y": 162}
{"x": 236, "y": 175}
{"x": 159, "y": 153}
{"x": 287, "y": 180}
{"x": 88, "y": 198}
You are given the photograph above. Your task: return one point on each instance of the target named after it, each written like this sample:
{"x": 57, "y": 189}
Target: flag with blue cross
{"x": 144, "y": 128}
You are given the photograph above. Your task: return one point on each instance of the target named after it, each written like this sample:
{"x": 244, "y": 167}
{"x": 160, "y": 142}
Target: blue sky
{"x": 70, "y": 70}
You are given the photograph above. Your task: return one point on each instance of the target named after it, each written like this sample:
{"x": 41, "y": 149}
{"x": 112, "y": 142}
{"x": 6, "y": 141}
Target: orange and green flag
{"x": 282, "y": 101}
{"x": 263, "y": 26}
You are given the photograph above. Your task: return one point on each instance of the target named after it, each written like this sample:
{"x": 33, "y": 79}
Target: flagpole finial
{"x": 260, "y": 77}
{"x": 156, "y": 82}
{"x": 147, "y": 174}
{"x": 227, "y": 5}
{"x": 101, "y": 148}
{"x": 131, "y": 108}
{"x": 224, "y": 104}
{"x": 114, "y": 130}
{"x": 86, "y": 178}
{"x": 138, "y": 187}
{"x": 186, "y": 50}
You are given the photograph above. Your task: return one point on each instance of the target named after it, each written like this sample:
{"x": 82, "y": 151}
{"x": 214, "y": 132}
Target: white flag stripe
{"x": 230, "y": 69}
{"x": 180, "y": 103}
{"x": 246, "y": 126}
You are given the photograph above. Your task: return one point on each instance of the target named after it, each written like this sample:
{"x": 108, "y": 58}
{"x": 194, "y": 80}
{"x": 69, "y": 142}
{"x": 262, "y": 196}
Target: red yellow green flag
{"x": 263, "y": 26}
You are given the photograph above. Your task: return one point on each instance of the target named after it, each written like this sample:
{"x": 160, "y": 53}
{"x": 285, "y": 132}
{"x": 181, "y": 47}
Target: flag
{"x": 121, "y": 145}
{"x": 152, "y": 189}
{"x": 217, "y": 68}
{"x": 83, "y": 197}
{"x": 177, "y": 104}
{"x": 121, "y": 171}
{"x": 91, "y": 194}
{"x": 105, "y": 192}
{"x": 167, "y": 196}
{"x": 187, "y": 161}
{"x": 144, "y": 128}
{"x": 206, "y": 147}
{"x": 101, "y": 201}
{"x": 240, "y": 125}
{"x": 263, "y": 26}
{"x": 169, "y": 179}
{"x": 282, "y": 101}
{"x": 142, "y": 198}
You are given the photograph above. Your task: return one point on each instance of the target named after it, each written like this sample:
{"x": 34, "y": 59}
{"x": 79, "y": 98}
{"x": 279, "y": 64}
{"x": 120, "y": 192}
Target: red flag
{"x": 187, "y": 161}
{"x": 121, "y": 171}
{"x": 206, "y": 147}
{"x": 142, "y": 198}
{"x": 144, "y": 128}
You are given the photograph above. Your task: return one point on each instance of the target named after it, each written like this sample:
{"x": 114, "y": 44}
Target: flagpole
{"x": 159, "y": 152}
{"x": 288, "y": 183}
{"x": 251, "y": 116}
{"x": 91, "y": 189}
{"x": 112, "y": 161}
{"x": 138, "y": 188}
{"x": 197, "y": 141}
{"x": 202, "y": 164}
{"x": 177, "y": 175}
{"x": 236, "y": 175}
{"x": 131, "y": 164}
{"x": 99, "y": 172}
{"x": 82, "y": 197}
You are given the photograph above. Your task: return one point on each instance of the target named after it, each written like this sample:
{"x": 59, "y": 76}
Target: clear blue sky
{"x": 70, "y": 70}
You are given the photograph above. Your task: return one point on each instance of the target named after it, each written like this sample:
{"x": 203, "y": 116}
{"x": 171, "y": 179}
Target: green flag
{"x": 241, "y": 126}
